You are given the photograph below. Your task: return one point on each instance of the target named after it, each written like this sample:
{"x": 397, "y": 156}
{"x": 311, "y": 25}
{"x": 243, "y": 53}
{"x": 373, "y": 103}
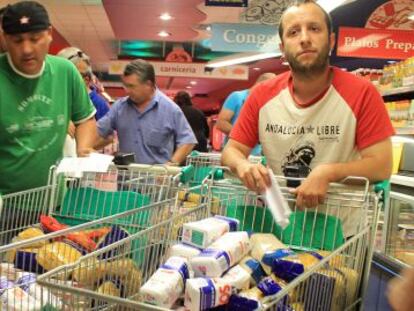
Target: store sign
{"x": 375, "y": 43}
{"x": 228, "y": 3}
{"x": 193, "y": 70}
{"x": 244, "y": 38}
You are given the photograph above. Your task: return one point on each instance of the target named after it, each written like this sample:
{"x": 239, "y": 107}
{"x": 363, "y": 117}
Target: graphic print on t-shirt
{"x": 299, "y": 159}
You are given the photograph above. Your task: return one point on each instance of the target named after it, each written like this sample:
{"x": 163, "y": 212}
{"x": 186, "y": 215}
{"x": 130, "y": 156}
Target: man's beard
{"x": 317, "y": 67}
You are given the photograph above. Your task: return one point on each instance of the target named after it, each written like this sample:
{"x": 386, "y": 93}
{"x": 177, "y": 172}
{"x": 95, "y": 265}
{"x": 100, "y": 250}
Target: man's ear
{"x": 332, "y": 39}
{"x": 282, "y": 48}
{"x": 50, "y": 34}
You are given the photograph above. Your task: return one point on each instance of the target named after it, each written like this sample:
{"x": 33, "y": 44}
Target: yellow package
{"x": 338, "y": 298}
{"x": 263, "y": 243}
{"x": 32, "y": 233}
{"x": 89, "y": 272}
{"x": 296, "y": 306}
{"x": 57, "y": 254}
{"x": 109, "y": 289}
{"x": 127, "y": 272}
{"x": 336, "y": 261}
{"x": 351, "y": 278}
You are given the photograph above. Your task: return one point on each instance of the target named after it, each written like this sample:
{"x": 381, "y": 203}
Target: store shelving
{"x": 406, "y": 92}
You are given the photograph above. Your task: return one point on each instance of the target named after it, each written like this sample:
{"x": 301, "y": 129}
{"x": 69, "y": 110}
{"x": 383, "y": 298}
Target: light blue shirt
{"x": 234, "y": 102}
{"x": 153, "y": 134}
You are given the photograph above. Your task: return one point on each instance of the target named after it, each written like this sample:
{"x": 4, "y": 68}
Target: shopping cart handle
{"x": 383, "y": 186}
{"x": 187, "y": 173}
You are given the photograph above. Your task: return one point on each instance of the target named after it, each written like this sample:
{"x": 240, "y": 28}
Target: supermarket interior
{"x": 131, "y": 203}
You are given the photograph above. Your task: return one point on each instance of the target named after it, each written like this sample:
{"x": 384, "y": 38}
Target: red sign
{"x": 375, "y": 43}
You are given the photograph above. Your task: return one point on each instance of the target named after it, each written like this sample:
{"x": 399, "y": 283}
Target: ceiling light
{"x": 256, "y": 68}
{"x": 165, "y": 16}
{"x": 188, "y": 87}
{"x": 285, "y": 63}
{"x": 411, "y": 17}
{"x": 163, "y": 33}
{"x": 240, "y": 58}
{"x": 193, "y": 82}
{"x": 208, "y": 28}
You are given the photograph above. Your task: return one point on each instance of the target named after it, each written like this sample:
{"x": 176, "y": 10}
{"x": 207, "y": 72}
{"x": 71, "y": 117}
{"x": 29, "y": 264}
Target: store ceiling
{"x": 98, "y": 26}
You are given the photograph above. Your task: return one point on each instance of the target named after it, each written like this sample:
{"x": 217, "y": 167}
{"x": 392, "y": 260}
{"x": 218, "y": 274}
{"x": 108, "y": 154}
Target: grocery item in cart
{"x": 14, "y": 298}
{"x": 29, "y": 233}
{"x": 182, "y": 250}
{"x": 89, "y": 272}
{"x": 50, "y": 224}
{"x": 166, "y": 285}
{"x": 224, "y": 253}
{"x": 127, "y": 271}
{"x": 253, "y": 299}
{"x": 237, "y": 277}
{"x": 27, "y": 260}
{"x": 254, "y": 268}
{"x": 27, "y": 282}
{"x": 56, "y": 254}
{"x": 205, "y": 293}
{"x": 116, "y": 234}
{"x": 204, "y": 232}
{"x": 264, "y": 246}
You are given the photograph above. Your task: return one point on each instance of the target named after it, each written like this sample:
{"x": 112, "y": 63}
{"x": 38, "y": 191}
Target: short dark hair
{"x": 298, "y": 3}
{"x": 182, "y": 98}
{"x": 143, "y": 69}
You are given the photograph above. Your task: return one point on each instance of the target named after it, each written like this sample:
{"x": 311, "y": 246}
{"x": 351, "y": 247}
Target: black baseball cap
{"x": 25, "y": 16}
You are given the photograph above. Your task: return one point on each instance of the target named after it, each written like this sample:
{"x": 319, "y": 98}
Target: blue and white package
{"x": 254, "y": 268}
{"x": 287, "y": 270}
{"x": 266, "y": 244}
{"x": 116, "y": 234}
{"x": 205, "y": 293}
{"x": 204, "y": 232}
{"x": 226, "y": 252}
{"x": 166, "y": 285}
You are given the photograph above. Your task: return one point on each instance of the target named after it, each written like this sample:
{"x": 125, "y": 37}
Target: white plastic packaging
{"x": 204, "y": 232}
{"x": 205, "y": 293}
{"x": 166, "y": 285}
{"x": 221, "y": 255}
{"x": 237, "y": 277}
{"x": 16, "y": 299}
{"x": 276, "y": 203}
{"x": 185, "y": 251}
{"x": 27, "y": 282}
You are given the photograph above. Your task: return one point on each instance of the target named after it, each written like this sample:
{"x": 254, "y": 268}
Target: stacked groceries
{"x": 109, "y": 273}
{"x": 217, "y": 266}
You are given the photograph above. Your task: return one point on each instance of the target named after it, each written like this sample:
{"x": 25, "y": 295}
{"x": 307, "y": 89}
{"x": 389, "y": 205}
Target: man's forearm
{"x": 224, "y": 126}
{"x": 181, "y": 153}
{"x": 232, "y": 157}
{"x": 372, "y": 168}
{"x": 85, "y": 135}
{"x": 101, "y": 142}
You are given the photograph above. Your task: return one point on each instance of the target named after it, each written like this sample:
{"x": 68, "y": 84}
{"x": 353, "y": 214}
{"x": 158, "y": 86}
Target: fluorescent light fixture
{"x": 193, "y": 82}
{"x": 163, "y": 33}
{"x": 402, "y": 139}
{"x": 208, "y": 28}
{"x": 411, "y": 17}
{"x": 165, "y": 16}
{"x": 330, "y": 5}
{"x": 188, "y": 87}
{"x": 256, "y": 68}
{"x": 240, "y": 58}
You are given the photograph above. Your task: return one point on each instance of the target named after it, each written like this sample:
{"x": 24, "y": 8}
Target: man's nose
{"x": 304, "y": 37}
{"x": 27, "y": 47}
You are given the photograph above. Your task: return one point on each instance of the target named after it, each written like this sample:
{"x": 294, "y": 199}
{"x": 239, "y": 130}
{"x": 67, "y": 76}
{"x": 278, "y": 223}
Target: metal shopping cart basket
{"x": 336, "y": 282}
{"x": 75, "y": 200}
{"x": 206, "y": 163}
{"x": 35, "y": 256}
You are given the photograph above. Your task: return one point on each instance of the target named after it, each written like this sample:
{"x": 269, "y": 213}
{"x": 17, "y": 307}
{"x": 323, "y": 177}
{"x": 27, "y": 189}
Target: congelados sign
{"x": 375, "y": 43}
{"x": 244, "y": 38}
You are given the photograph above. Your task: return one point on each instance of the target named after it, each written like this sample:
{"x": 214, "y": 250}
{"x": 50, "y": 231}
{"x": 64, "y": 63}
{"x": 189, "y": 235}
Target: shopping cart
{"x": 206, "y": 163}
{"x": 336, "y": 282}
{"x": 35, "y": 256}
{"x": 76, "y": 200}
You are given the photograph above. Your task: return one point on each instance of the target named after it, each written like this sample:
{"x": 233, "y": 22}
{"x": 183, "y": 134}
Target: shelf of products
{"x": 400, "y": 93}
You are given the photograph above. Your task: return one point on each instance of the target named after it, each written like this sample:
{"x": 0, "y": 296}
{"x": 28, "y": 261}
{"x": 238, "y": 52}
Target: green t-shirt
{"x": 34, "y": 117}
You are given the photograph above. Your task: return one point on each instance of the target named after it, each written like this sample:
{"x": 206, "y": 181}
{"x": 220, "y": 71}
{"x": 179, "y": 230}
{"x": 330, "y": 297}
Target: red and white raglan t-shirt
{"x": 348, "y": 117}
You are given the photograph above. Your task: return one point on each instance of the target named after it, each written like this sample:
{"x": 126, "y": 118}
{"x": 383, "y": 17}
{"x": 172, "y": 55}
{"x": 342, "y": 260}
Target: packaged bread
{"x": 89, "y": 272}
{"x": 9, "y": 271}
{"x": 336, "y": 261}
{"x": 265, "y": 246}
{"x": 254, "y": 268}
{"x": 351, "y": 278}
{"x": 56, "y": 254}
{"x": 109, "y": 288}
{"x": 14, "y": 298}
{"x": 297, "y": 306}
{"x": 30, "y": 233}
{"x": 224, "y": 253}
{"x": 254, "y": 298}
{"x": 204, "y": 232}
